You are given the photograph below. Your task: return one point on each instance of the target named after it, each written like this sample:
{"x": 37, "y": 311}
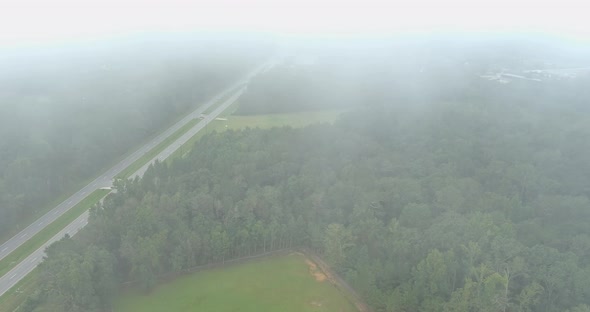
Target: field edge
{"x": 346, "y": 291}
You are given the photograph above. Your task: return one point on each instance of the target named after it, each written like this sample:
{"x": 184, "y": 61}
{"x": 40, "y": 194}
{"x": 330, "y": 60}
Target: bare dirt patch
{"x": 316, "y": 304}
{"x": 315, "y": 271}
{"x": 338, "y": 282}
{"x": 320, "y": 277}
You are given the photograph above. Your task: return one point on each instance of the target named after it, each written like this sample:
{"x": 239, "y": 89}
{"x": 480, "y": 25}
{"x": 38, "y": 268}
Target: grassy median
{"x": 49, "y": 231}
{"x": 14, "y": 297}
{"x": 222, "y": 100}
{"x": 162, "y": 146}
{"x": 136, "y": 165}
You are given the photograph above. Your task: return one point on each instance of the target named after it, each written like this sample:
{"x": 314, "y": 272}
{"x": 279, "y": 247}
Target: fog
{"x": 74, "y": 76}
{"x": 405, "y": 155}
{"x": 33, "y": 21}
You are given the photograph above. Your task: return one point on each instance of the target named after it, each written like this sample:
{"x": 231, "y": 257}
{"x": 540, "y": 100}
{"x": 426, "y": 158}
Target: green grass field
{"x": 49, "y": 231}
{"x": 238, "y": 122}
{"x": 277, "y": 284}
{"x": 295, "y": 120}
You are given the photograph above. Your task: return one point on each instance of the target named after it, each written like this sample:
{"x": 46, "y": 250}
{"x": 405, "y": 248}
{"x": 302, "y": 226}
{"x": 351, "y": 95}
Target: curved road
{"x": 28, "y": 264}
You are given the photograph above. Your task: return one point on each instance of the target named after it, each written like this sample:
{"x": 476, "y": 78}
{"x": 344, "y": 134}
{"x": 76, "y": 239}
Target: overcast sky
{"x": 42, "y": 21}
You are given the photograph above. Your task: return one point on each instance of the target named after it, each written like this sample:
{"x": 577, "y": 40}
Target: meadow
{"x": 287, "y": 283}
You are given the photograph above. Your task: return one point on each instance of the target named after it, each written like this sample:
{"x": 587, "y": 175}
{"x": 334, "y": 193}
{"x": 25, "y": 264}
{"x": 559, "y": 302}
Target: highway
{"x": 28, "y": 264}
{"x": 189, "y": 134}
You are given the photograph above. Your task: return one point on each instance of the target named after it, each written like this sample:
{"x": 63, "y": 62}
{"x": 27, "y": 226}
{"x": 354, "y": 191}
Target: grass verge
{"x": 160, "y": 147}
{"x": 13, "y": 298}
{"x": 49, "y": 231}
{"x": 28, "y": 220}
{"x": 33, "y": 216}
{"x": 289, "y": 283}
{"x": 131, "y": 169}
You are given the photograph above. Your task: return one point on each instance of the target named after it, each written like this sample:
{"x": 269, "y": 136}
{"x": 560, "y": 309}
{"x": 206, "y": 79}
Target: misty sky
{"x": 38, "y": 21}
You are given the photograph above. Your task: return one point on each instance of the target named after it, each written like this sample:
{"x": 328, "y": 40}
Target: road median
{"x": 23, "y": 251}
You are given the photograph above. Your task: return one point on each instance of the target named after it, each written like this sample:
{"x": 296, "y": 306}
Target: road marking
{"x": 24, "y": 235}
{"x": 40, "y": 223}
{"x": 83, "y": 192}
{"x": 94, "y": 184}
{"x": 55, "y": 212}
{"x": 69, "y": 202}
{"x": 4, "y": 248}
{"x": 13, "y": 276}
{"x": 33, "y": 260}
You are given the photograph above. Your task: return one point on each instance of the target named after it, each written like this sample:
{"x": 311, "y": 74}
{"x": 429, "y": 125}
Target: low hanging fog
{"x": 417, "y": 156}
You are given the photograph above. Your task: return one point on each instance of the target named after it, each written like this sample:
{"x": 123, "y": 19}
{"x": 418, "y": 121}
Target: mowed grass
{"x": 295, "y": 120}
{"x": 76, "y": 186}
{"x": 239, "y": 122}
{"x": 33, "y": 216}
{"x": 136, "y": 165}
{"x": 281, "y": 283}
{"x": 14, "y": 297}
{"x": 15, "y": 257}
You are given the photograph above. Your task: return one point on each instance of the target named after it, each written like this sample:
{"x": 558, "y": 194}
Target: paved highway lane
{"x": 27, "y": 265}
{"x": 189, "y": 134}
{"x": 106, "y": 178}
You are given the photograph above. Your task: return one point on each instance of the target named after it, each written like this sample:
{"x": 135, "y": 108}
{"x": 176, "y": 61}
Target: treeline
{"x": 464, "y": 206}
{"x": 441, "y": 191}
{"x": 67, "y": 112}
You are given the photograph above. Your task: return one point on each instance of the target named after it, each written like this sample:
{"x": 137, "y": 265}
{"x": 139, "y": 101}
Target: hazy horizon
{"x": 33, "y": 23}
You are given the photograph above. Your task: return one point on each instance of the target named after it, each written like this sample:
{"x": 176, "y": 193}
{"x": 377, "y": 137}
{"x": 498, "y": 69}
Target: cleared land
{"x": 296, "y": 120}
{"x": 290, "y": 283}
{"x": 49, "y": 231}
{"x": 238, "y": 122}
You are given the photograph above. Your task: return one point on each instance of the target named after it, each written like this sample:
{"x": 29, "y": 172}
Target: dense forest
{"x": 474, "y": 200}
{"x": 67, "y": 112}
